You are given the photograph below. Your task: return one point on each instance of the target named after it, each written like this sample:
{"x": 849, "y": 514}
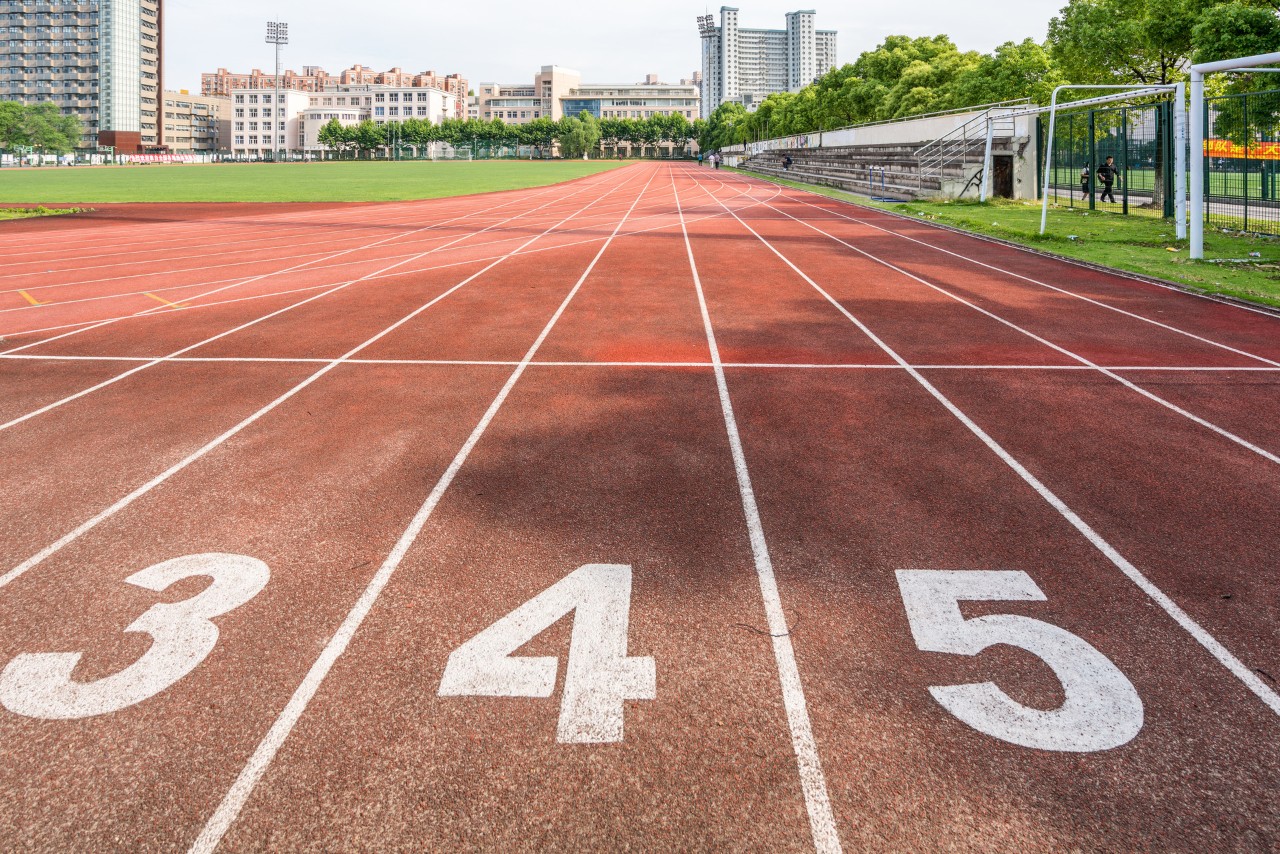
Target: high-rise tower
{"x": 98, "y": 59}
{"x": 747, "y": 65}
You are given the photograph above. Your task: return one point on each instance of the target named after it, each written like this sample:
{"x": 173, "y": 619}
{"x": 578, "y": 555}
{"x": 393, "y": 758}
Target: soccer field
{"x": 286, "y": 182}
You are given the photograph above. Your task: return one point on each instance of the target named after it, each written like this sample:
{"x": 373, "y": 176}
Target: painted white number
{"x": 40, "y": 685}
{"x": 1101, "y": 711}
{"x": 599, "y": 676}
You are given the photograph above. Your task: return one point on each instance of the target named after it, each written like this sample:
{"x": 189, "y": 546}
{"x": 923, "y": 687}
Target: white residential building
{"x": 558, "y": 92}
{"x": 351, "y": 105}
{"x": 261, "y": 127}
{"x": 300, "y": 115}
{"x": 748, "y": 65}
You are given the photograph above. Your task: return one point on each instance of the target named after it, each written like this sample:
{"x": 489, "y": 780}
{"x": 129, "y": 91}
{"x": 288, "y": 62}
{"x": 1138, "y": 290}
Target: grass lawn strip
{"x": 1136, "y": 244}
{"x": 348, "y": 181}
{"x": 41, "y": 210}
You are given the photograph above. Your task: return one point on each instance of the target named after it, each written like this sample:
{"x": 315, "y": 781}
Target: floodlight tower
{"x": 278, "y": 35}
{"x": 709, "y": 33}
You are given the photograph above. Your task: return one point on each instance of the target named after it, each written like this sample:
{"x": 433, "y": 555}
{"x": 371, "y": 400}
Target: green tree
{"x": 1123, "y": 41}
{"x": 369, "y": 137}
{"x": 578, "y": 135}
{"x": 727, "y": 126}
{"x": 1016, "y": 70}
{"x": 541, "y": 133}
{"x": 13, "y": 129}
{"x": 1229, "y": 30}
{"x": 42, "y": 126}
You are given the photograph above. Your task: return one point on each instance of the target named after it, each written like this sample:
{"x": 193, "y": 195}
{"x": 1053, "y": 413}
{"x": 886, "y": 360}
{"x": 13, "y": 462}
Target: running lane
{"x": 862, "y": 475}
{"x": 307, "y": 500}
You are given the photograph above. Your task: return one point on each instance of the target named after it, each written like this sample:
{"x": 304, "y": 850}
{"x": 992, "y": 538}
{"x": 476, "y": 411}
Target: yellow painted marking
{"x": 29, "y": 298}
{"x": 165, "y": 301}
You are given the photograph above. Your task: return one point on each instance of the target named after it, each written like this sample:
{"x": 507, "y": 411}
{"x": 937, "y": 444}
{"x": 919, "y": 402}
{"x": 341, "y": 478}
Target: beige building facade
{"x": 196, "y": 123}
{"x": 315, "y": 79}
{"x": 521, "y": 103}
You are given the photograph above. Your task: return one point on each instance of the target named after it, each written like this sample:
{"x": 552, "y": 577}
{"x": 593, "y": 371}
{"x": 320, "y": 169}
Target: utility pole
{"x": 278, "y": 35}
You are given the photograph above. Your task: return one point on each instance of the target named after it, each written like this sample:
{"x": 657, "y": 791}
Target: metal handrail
{"x": 934, "y": 157}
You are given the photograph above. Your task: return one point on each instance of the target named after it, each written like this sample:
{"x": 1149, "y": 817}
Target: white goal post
{"x": 1130, "y": 92}
{"x": 1244, "y": 63}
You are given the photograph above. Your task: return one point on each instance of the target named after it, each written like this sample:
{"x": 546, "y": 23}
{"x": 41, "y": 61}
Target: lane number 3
{"x": 39, "y": 685}
{"x": 599, "y": 676}
{"x": 1102, "y": 709}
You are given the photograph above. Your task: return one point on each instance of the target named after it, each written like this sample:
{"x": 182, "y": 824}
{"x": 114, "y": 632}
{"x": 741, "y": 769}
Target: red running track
{"x": 661, "y": 510}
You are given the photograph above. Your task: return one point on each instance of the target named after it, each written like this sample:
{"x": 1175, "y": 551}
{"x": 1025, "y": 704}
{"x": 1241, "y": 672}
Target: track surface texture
{"x": 662, "y": 510}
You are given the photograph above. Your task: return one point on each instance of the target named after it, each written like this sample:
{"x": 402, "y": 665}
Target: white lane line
{"x": 1215, "y": 648}
{"x": 345, "y": 231}
{"x": 73, "y": 535}
{"x": 1127, "y": 383}
{"x": 805, "y": 366}
{"x": 379, "y": 259}
{"x": 1069, "y": 293}
{"x": 239, "y": 283}
{"x": 125, "y": 375}
{"x": 405, "y": 272}
{"x": 822, "y": 823}
{"x": 236, "y": 797}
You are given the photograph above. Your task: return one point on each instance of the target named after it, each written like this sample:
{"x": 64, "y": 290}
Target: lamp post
{"x": 278, "y": 35}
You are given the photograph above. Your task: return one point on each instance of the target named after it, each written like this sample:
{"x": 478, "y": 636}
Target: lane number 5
{"x": 39, "y": 685}
{"x": 1102, "y": 710}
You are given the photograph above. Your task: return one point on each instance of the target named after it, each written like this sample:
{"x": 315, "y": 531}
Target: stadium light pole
{"x": 278, "y": 35}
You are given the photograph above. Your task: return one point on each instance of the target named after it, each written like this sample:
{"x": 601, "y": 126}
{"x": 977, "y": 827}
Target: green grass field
{"x": 1221, "y": 183}
{"x": 1138, "y": 244}
{"x": 285, "y": 182}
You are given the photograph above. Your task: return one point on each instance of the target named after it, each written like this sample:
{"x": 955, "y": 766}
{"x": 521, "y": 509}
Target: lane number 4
{"x": 1101, "y": 710}
{"x": 39, "y": 685}
{"x": 599, "y": 675}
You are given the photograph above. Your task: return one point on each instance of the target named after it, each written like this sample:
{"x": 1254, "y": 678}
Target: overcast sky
{"x": 507, "y": 41}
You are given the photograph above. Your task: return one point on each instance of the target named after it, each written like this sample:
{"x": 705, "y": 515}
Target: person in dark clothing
{"x": 786, "y": 162}
{"x": 1084, "y": 182}
{"x": 1107, "y": 174}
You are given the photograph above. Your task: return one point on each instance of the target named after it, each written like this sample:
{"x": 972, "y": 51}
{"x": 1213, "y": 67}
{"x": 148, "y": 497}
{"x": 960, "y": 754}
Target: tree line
{"x": 1090, "y": 41}
{"x": 575, "y": 135}
{"x": 42, "y": 127}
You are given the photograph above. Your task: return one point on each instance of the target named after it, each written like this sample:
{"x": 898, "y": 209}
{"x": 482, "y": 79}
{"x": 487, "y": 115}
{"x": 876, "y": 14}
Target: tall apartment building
{"x": 98, "y": 59}
{"x": 316, "y": 79}
{"x": 196, "y": 123}
{"x": 748, "y": 65}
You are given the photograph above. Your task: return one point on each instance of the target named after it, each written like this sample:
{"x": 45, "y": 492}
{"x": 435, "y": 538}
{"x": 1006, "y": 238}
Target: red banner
{"x": 1228, "y": 149}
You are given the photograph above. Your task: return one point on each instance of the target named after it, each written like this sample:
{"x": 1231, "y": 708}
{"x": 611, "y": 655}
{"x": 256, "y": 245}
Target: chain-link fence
{"x": 1242, "y": 162}
{"x": 1116, "y": 159}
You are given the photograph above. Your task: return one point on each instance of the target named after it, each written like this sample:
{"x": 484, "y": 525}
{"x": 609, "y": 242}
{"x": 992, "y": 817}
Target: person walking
{"x": 1084, "y": 182}
{"x": 1107, "y": 174}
